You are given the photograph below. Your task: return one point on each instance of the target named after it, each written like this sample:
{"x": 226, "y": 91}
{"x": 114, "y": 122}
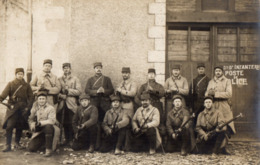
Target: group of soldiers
{"x": 126, "y": 118}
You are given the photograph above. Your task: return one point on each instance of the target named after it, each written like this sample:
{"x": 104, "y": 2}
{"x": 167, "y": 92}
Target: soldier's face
{"x": 177, "y": 103}
{"x": 98, "y": 69}
{"x": 201, "y": 70}
{"x": 115, "y": 104}
{"x": 84, "y": 102}
{"x": 47, "y": 67}
{"x": 151, "y": 76}
{"x": 125, "y": 75}
{"x": 19, "y": 75}
{"x": 42, "y": 100}
{"x": 208, "y": 103}
{"x": 67, "y": 70}
{"x": 218, "y": 72}
{"x": 145, "y": 103}
{"x": 176, "y": 72}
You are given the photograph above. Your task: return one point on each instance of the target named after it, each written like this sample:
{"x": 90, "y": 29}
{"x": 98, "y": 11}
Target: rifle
{"x": 140, "y": 132}
{"x": 177, "y": 132}
{"x": 213, "y": 132}
{"x": 113, "y": 127}
{"x": 169, "y": 95}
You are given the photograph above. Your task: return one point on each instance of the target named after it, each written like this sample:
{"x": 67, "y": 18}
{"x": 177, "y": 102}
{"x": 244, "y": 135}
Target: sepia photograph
{"x": 133, "y": 82}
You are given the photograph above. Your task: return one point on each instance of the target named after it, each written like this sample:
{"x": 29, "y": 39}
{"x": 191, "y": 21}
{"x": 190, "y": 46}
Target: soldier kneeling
{"x": 208, "y": 120}
{"x": 114, "y": 127}
{"x": 180, "y": 130}
{"x": 43, "y": 124}
{"x": 84, "y": 124}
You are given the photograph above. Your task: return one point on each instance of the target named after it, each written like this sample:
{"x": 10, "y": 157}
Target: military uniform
{"x": 115, "y": 121}
{"x": 186, "y": 140}
{"x": 44, "y": 125}
{"x": 47, "y": 80}
{"x": 71, "y": 88}
{"x": 197, "y": 92}
{"x": 182, "y": 86}
{"x": 21, "y": 98}
{"x": 208, "y": 121}
{"x": 87, "y": 118}
{"x": 223, "y": 93}
{"x": 149, "y": 136}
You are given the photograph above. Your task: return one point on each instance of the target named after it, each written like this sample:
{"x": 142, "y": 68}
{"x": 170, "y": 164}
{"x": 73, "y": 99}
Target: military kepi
{"x": 151, "y": 70}
{"x": 84, "y": 96}
{"x": 47, "y": 61}
{"x": 19, "y": 70}
{"x": 66, "y": 65}
{"x": 208, "y": 97}
{"x": 176, "y": 66}
{"x": 126, "y": 70}
{"x": 97, "y": 64}
{"x": 145, "y": 96}
{"x": 176, "y": 97}
{"x": 218, "y": 67}
{"x": 200, "y": 65}
{"x": 114, "y": 98}
{"x": 42, "y": 92}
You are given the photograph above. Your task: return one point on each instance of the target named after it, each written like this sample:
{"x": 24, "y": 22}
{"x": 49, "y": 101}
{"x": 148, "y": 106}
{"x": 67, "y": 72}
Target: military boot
{"x": 91, "y": 148}
{"x": 7, "y": 148}
{"x": 48, "y": 153}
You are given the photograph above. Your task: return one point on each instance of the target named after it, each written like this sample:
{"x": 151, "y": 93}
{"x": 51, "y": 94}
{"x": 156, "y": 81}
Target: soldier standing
{"x": 127, "y": 90}
{"x": 85, "y": 124}
{"x": 20, "y": 102}
{"x": 70, "y": 91}
{"x": 156, "y": 92}
{"x": 48, "y": 81}
{"x": 43, "y": 124}
{"x": 145, "y": 122}
{"x": 176, "y": 84}
{"x": 220, "y": 89}
{"x": 182, "y": 138}
{"x": 208, "y": 120}
{"x": 114, "y": 126}
{"x": 99, "y": 87}
{"x": 197, "y": 91}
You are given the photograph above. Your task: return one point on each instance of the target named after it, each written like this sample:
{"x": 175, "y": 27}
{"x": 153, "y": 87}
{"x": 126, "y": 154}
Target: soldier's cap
{"x": 219, "y": 67}
{"x": 84, "y": 96}
{"x": 19, "y": 70}
{"x": 145, "y": 96}
{"x": 66, "y": 65}
{"x": 200, "y": 65}
{"x": 114, "y": 98}
{"x": 126, "y": 70}
{"x": 208, "y": 97}
{"x": 42, "y": 92}
{"x": 97, "y": 64}
{"x": 176, "y": 66}
{"x": 151, "y": 70}
{"x": 47, "y": 61}
{"x": 176, "y": 97}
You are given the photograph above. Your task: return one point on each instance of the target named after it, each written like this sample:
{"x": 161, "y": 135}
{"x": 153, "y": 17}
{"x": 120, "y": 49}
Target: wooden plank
{"x": 227, "y": 50}
{"x": 215, "y": 5}
{"x": 226, "y": 58}
{"x": 178, "y": 37}
{"x": 199, "y": 57}
{"x": 248, "y": 30}
{"x": 251, "y": 44}
{"x": 248, "y": 50}
{"x": 178, "y": 53}
{"x": 227, "y": 43}
{"x": 179, "y": 32}
{"x": 177, "y": 58}
{"x": 176, "y": 47}
{"x": 246, "y": 37}
{"x": 230, "y": 37}
{"x": 222, "y": 30}
{"x": 248, "y": 58}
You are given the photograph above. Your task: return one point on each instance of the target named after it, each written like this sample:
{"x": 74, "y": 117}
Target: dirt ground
{"x": 242, "y": 153}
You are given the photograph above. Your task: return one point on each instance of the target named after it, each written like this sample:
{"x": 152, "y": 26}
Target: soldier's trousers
{"x": 181, "y": 143}
{"x": 86, "y": 137}
{"x": 148, "y": 138}
{"x": 12, "y": 123}
{"x": 103, "y": 104}
{"x": 213, "y": 144}
{"x": 115, "y": 140}
{"x": 45, "y": 137}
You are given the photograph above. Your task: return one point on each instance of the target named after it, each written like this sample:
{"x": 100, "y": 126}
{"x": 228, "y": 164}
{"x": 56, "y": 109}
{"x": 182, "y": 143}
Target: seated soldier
{"x": 179, "y": 138}
{"x": 114, "y": 127}
{"x": 145, "y": 126}
{"x": 207, "y": 121}
{"x": 42, "y": 123}
{"x": 84, "y": 124}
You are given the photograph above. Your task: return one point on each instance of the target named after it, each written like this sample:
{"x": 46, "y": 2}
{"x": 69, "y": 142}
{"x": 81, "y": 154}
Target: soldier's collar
{"x": 208, "y": 112}
{"x": 68, "y": 76}
{"x": 220, "y": 78}
{"x": 177, "y": 78}
{"x": 148, "y": 108}
{"x": 176, "y": 110}
{"x": 98, "y": 74}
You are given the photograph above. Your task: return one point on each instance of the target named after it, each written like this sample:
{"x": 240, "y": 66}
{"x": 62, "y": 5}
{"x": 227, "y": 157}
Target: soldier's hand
{"x": 63, "y": 96}
{"x": 33, "y": 126}
{"x": 38, "y": 124}
{"x": 206, "y": 137}
{"x": 174, "y": 89}
{"x": 109, "y": 132}
{"x": 168, "y": 91}
{"x": 145, "y": 126}
{"x": 101, "y": 90}
{"x": 179, "y": 130}
{"x": 150, "y": 88}
{"x": 81, "y": 126}
{"x": 217, "y": 130}
{"x": 119, "y": 89}
{"x": 136, "y": 130}
{"x": 174, "y": 136}
{"x": 211, "y": 92}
